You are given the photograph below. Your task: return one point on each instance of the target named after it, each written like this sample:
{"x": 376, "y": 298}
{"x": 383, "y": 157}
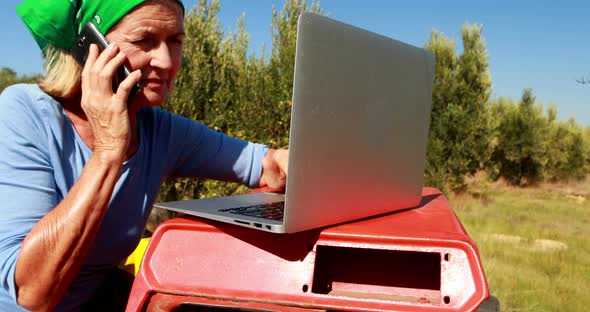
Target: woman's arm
{"x": 54, "y": 250}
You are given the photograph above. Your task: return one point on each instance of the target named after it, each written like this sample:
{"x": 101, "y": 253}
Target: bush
{"x": 460, "y": 136}
{"x": 520, "y": 156}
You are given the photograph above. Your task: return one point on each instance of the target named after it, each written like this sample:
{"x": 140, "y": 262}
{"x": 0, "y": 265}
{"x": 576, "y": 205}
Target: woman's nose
{"x": 160, "y": 56}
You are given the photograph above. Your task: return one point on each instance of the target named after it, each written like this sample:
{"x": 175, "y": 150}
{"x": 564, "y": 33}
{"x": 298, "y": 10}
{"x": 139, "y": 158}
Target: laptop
{"x": 359, "y": 128}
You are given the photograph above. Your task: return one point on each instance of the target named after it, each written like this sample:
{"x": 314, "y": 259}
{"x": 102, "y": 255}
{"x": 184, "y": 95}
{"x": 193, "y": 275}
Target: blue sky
{"x": 543, "y": 45}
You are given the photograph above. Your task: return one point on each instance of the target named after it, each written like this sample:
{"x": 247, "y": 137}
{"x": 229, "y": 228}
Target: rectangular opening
{"x": 378, "y": 274}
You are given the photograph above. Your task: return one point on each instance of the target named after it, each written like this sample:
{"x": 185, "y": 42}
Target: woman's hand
{"x": 107, "y": 111}
{"x": 274, "y": 168}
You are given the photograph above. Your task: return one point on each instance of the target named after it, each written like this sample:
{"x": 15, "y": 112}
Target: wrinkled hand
{"x": 274, "y": 168}
{"x": 107, "y": 111}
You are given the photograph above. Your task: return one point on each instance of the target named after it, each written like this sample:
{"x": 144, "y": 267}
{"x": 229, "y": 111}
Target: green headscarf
{"x": 58, "y": 22}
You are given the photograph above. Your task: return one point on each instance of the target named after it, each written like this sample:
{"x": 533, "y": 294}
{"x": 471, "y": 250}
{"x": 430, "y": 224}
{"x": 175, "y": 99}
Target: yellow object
{"x": 134, "y": 260}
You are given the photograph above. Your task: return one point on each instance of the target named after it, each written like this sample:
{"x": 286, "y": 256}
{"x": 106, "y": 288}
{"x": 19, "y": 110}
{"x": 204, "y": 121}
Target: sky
{"x": 542, "y": 45}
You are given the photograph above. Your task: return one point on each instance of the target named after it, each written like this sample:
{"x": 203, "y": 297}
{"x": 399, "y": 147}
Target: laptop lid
{"x": 359, "y": 127}
{"x": 359, "y": 124}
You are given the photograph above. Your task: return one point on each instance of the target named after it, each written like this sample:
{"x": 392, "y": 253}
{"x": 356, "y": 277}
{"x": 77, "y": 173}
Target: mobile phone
{"x": 90, "y": 34}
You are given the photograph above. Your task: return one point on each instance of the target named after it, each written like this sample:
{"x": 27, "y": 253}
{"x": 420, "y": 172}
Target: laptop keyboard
{"x": 272, "y": 211}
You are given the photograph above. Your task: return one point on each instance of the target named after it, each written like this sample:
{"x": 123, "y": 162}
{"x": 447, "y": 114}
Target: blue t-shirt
{"x": 42, "y": 156}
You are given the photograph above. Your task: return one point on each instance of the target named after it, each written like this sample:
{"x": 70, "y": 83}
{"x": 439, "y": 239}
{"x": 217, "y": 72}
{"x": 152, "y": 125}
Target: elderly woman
{"x": 80, "y": 167}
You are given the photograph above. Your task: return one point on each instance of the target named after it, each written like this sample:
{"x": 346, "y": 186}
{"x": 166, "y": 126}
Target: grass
{"x": 534, "y": 243}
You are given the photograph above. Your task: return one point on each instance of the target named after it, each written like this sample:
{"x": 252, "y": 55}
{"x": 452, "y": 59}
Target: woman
{"x": 80, "y": 169}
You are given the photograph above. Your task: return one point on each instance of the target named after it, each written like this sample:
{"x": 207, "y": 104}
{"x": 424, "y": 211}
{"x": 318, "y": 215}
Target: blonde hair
{"x": 62, "y": 79}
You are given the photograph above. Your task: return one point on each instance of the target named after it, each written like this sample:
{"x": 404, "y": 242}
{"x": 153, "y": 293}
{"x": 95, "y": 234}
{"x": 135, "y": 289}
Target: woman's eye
{"x": 176, "y": 40}
{"x": 145, "y": 42}
{"x": 141, "y": 41}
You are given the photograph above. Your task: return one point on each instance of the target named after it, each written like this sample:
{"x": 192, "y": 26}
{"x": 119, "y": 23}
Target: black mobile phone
{"x": 90, "y": 34}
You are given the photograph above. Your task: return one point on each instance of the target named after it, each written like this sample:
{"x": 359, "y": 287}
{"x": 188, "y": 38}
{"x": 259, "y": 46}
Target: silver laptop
{"x": 359, "y": 127}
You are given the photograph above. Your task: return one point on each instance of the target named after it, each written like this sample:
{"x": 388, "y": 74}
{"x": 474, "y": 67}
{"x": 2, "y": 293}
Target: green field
{"x": 534, "y": 243}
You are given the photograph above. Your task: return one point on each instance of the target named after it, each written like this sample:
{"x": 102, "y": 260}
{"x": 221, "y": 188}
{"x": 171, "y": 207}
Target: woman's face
{"x": 151, "y": 36}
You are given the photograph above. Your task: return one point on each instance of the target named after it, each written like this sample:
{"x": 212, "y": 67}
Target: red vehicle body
{"x": 419, "y": 259}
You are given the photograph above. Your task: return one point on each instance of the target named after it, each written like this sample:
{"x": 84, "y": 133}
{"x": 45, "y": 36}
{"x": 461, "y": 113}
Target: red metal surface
{"x": 166, "y": 302}
{"x": 420, "y": 259}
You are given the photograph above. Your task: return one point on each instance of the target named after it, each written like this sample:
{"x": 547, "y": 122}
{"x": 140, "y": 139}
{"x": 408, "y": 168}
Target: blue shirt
{"x": 42, "y": 156}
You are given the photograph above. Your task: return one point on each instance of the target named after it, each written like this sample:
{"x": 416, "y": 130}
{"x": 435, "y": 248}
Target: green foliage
{"x": 532, "y": 147}
{"x": 515, "y": 141}
{"x": 521, "y": 155}
{"x": 473, "y": 93}
{"x": 9, "y": 77}
{"x": 460, "y": 133}
{"x": 444, "y": 85}
{"x": 567, "y": 152}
